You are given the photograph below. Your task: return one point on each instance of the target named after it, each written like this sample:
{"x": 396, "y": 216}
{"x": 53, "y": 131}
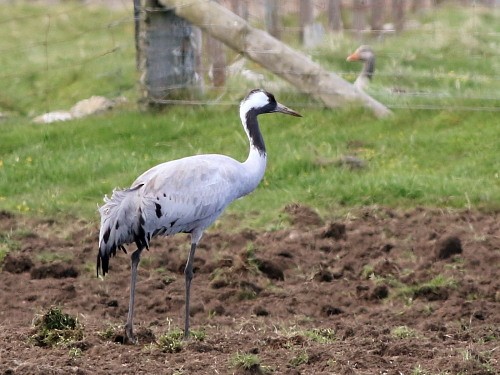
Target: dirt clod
{"x": 17, "y": 264}
{"x": 336, "y": 231}
{"x": 270, "y": 269}
{"x": 448, "y": 247}
{"x": 55, "y": 270}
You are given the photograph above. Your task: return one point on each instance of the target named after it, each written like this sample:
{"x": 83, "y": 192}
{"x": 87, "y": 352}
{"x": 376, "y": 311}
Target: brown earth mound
{"x": 380, "y": 292}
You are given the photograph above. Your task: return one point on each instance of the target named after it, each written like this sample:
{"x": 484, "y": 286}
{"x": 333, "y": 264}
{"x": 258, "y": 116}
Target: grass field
{"x": 445, "y": 157}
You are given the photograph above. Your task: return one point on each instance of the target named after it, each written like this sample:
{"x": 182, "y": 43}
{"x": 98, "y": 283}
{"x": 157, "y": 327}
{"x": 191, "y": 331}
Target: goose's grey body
{"x": 185, "y": 195}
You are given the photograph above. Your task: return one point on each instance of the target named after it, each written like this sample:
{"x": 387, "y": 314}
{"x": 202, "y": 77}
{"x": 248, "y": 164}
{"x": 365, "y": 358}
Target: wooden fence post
{"x": 167, "y": 56}
{"x": 335, "y": 15}
{"x": 240, "y": 7}
{"x": 273, "y": 24}
{"x": 377, "y": 16}
{"x": 398, "y": 14}
{"x": 217, "y": 57}
{"x": 306, "y": 16}
{"x": 359, "y": 17}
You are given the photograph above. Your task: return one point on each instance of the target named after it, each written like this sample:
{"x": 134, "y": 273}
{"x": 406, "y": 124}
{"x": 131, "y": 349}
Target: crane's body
{"x": 183, "y": 196}
{"x": 175, "y": 197}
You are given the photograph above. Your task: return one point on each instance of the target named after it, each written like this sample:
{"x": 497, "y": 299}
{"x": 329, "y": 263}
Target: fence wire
{"x": 399, "y": 86}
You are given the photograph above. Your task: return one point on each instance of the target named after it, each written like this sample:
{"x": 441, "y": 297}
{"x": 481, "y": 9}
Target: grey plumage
{"x": 185, "y": 195}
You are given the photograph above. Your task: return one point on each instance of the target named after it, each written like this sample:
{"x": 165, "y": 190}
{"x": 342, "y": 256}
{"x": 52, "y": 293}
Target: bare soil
{"x": 396, "y": 292}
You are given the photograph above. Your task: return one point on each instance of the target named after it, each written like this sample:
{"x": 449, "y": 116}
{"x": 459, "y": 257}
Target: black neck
{"x": 369, "y": 68}
{"x": 254, "y": 133}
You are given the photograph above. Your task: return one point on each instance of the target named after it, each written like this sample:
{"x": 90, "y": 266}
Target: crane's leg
{"x": 188, "y": 273}
{"x": 129, "y": 326}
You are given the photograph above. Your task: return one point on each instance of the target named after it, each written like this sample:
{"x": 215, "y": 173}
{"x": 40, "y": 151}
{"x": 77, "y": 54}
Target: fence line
{"x": 113, "y": 26}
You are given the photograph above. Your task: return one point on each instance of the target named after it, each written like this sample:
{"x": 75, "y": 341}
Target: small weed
{"x": 480, "y": 361}
{"x": 437, "y": 285}
{"x": 171, "y": 342}
{"x": 56, "y": 328}
{"x": 75, "y": 352}
{"x": 246, "y": 294}
{"x": 367, "y": 271}
{"x": 49, "y": 257}
{"x": 403, "y": 332}
{"x": 321, "y": 335}
{"x": 219, "y": 278}
{"x": 418, "y": 371}
{"x": 247, "y": 362}
{"x": 251, "y": 261}
{"x": 198, "y": 335}
{"x": 332, "y": 362}
{"x": 3, "y": 252}
{"x": 109, "y": 332}
{"x": 299, "y": 359}
{"x": 7, "y": 244}
{"x": 427, "y": 310}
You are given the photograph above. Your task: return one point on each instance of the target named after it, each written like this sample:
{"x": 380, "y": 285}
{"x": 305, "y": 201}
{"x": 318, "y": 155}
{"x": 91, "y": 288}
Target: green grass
{"x": 403, "y": 332}
{"x": 247, "y": 362}
{"x": 52, "y": 57}
{"x": 445, "y": 158}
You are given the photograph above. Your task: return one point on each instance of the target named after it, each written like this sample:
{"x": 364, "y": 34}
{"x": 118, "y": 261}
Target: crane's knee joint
{"x": 136, "y": 256}
{"x": 188, "y": 272}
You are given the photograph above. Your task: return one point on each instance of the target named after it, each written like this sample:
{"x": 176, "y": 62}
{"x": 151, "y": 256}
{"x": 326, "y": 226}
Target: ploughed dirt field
{"x": 381, "y": 291}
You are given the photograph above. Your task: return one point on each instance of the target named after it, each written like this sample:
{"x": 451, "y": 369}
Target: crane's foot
{"x": 129, "y": 337}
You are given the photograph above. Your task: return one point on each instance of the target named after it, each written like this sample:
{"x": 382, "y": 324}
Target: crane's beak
{"x": 353, "y": 57}
{"x": 287, "y": 111}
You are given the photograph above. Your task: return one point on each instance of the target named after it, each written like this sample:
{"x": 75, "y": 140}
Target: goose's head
{"x": 260, "y": 101}
{"x": 362, "y": 53}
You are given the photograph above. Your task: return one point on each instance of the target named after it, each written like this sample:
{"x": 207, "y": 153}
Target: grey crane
{"x": 183, "y": 196}
{"x": 365, "y": 54}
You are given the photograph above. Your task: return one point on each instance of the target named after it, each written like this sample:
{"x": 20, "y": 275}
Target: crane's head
{"x": 261, "y": 101}
{"x": 362, "y": 53}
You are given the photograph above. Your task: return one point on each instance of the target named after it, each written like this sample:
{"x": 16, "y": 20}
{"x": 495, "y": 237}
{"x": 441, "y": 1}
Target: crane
{"x": 183, "y": 196}
{"x": 365, "y": 54}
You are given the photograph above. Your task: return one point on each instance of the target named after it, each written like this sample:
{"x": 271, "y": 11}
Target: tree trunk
{"x": 359, "y": 16}
{"x": 306, "y": 16}
{"x": 419, "y": 5}
{"x": 398, "y": 14}
{"x": 273, "y": 25}
{"x": 217, "y": 58}
{"x": 335, "y": 15}
{"x": 377, "y": 16}
{"x": 137, "y": 32}
{"x": 296, "y": 68}
{"x": 240, "y": 7}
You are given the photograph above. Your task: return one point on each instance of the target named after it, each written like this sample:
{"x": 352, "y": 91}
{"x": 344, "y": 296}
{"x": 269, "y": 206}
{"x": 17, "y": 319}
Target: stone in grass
{"x": 448, "y": 247}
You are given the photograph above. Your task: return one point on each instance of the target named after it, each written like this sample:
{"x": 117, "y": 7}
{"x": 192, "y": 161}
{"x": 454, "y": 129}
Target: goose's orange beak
{"x": 353, "y": 57}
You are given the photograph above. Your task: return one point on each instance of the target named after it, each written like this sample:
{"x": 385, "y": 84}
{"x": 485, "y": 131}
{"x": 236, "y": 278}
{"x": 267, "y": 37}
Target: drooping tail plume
{"x": 121, "y": 223}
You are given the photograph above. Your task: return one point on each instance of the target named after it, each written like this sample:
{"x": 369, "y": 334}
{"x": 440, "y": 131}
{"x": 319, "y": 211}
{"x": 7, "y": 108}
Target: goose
{"x": 183, "y": 196}
{"x": 365, "y": 54}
